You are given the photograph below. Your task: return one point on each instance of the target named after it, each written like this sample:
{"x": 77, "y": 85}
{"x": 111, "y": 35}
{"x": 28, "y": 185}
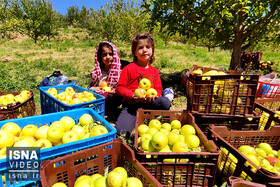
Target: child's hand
{"x": 150, "y": 99}
{"x": 98, "y": 89}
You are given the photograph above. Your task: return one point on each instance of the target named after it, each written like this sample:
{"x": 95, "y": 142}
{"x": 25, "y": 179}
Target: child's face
{"x": 143, "y": 50}
{"x": 107, "y": 56}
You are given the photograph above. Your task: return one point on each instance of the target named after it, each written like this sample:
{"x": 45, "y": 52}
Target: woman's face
{"x": 107, "y": 56}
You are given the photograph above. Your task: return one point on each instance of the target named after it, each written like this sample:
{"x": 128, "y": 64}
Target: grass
{"x": 23, "y": 64}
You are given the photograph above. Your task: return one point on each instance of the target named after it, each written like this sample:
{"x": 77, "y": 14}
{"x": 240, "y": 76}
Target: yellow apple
{"x": 159, "y": 140}
{"x": 86, "y": 136}
{"x": 43, "y": 143}
{"x": 42, "y": 132}
{"x": 152, "y": 131}
{"x": 140, "y": 92}
{"x": 59, "y": 184}
{"x": 67, "y": 122}
{"x": 173, "y": 137}
{"x": 166, "y": 126}
{"x": 187, "y": 129}
{"x": 29, "y": 130}
{"x": 121, "y": 170}
{"x": 98, "y": 130}
{"x": 133, "y": 182}
{"x": 10, "y": 97}
{"x": 82, "y": 178}
{"x": 192, "y": 141}
{"x": 96, "y": 176}
{"x": 12, "y": 128}
{"x": 142, "y": 129}
{"x": 180, "y": 147}
{"x": 58, "y": 124}
{"x": 70, "y": 136}
{"x": 80, "y": 131}
{"x": 61, "y": 96}
{"x": 145, "y": 83}
{"x": 155, "y": 123}
{"x": 55, "y": 134}
{"x": 106, "y": 89}
{"x": 75, "y": 101}
{"x": 115, "y": 179}
{"x": 100, "y": 182}
{"x": 175, "y": 124}
{"x": 85, "y": 119}
{"x": 151, "y": 92}
{"x": 103, "y": 83}
{"x": 147, "y": 146}
{"x": 25, "y": 93}
{"x": 31, "y": 139}
{"x": 69, "y": 89}
{"x": 6, "y": 139}
{"x": 24, "y": 143}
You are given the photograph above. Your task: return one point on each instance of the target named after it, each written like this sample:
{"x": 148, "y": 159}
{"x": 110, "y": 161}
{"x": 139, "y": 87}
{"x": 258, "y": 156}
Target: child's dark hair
{"x": 135, "y": 41}
{"x": 99, "y": 53}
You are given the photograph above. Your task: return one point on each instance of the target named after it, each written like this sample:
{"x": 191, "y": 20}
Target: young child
{"x": 143, "y": 52}
{"x": 107, "y": 68}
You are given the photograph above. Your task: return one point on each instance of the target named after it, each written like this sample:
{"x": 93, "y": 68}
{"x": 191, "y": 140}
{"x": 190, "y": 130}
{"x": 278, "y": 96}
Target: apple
{"x": 84, "y": 183}
{"x": 3, "y": 153}
{"x": 182, "y": 138}
{"x": 69, "y": 89}
{"x": 144, "y": 137}
{"x": 52, "y": 91}
{"x": 57, "y": 143}
{"x": 142, "y": 129}
{"x": 58, "y": 124}
{"x": 98, "y": 130}
{"x": 41, "y": 132}
{"x": 173, "y": 137}
{"x": 151, "y": 92}
{"x": 115, "y": 179}
{"x": 24, "y": 143}
{"x": 192, "y": 141}
{"x": 25, "y": 93}
{"x": 19, "y": 98}
{"x": 70, "y": 136}
{"x": 67, "y": 122}
{"x": 90, "y": 96}
{"x": 187, "y": 129}
{"x": 260, "y": 152}
{"x": 140, "y": 92}
{"x": 96, "y": 176}
{"x": 86, "y": 136}
{"x": 80, "y": 131}
{"x": 12, "y": 128}
{"x": 6, "y": 139}
{"x": 147, "y": 146}
{"x": 61, "y": 96}
{"x": 84, "y": 177}
{"x": 85, "y": 119}
{"x": 10, "y": 97}
{"x": 31, "y": 139}
{"x": 100, "y": 182}
{"x": 121, "y": 170}
{"x": 75, "y": 101}
{"x": 29, "y": 130}
{"x": 145, "y": 83}
{"x": 175, "y": 124}
{"x": 155, "y": 123}
{"x": 43, "y": 143}
{"x": 152, "y": 131}
{"x": 103, "y": 83}
{"x": 166, "y": 126}
{"x": 159, "y": 140}
{"x": 266, "y": 147}
{"x": 59, "y": 184}
{"x": 180, "y": 147}
{"x": 133, "y": 182}
{"x": 84, "y": 100}
{"x": 76, "y": 95}
{"x": 246, "y": 149}
{"x": 106, "y": 89}
{"x": 54, "y": 134}
{"x": 165, "y": 149}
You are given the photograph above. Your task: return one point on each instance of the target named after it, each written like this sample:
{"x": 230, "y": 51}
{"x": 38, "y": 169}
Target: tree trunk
{"x": 235, "y": 63}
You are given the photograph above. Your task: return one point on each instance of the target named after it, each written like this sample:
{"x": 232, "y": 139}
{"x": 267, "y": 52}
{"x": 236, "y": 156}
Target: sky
{"x": 62, "y": 5}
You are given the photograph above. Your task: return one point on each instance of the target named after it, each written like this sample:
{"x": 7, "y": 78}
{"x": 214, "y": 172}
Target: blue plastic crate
{"x": 63, "y": 149}
{"x": 50, "y": 104}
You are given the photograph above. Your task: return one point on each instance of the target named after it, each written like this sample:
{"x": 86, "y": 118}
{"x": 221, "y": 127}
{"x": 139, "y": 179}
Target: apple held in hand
{"x": 107, "y": 89}
{"x": 145, "y": 83}
{"x": 103, "y": 84}
{"x": 140, "y": 92}
{"x": 151, "y": 92}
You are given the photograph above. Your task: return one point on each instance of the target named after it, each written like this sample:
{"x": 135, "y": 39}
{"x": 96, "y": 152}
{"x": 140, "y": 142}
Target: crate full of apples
{"x": 173, "y": 148}
{"x": 250, "y": 155}
{"x": 57, "y": 134}
{"x": 111, "y": 164}
{"x": 68, "y": 97}
{"x": 17, "y": 104}
{"x": 213, "y": 91}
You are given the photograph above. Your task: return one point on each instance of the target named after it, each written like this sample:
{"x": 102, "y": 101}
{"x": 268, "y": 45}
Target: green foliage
{"x": 234, "y": 25}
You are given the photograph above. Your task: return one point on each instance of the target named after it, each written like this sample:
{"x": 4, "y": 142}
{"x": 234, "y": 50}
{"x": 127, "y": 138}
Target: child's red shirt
{"x": 130, "y": 77}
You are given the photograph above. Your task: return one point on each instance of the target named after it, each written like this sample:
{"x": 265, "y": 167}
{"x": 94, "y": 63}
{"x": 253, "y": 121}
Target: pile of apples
{"x": 70, "y": 97}
{"x": 167, "y": 137}
{"x": 116, "y": 178}
{"x": 59, "y": 132}
{"x": 262, "y": 156}
{"x": 13, "y": 99}
{"x": 145, "y": 89}
{"x": 104, "y": 86}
